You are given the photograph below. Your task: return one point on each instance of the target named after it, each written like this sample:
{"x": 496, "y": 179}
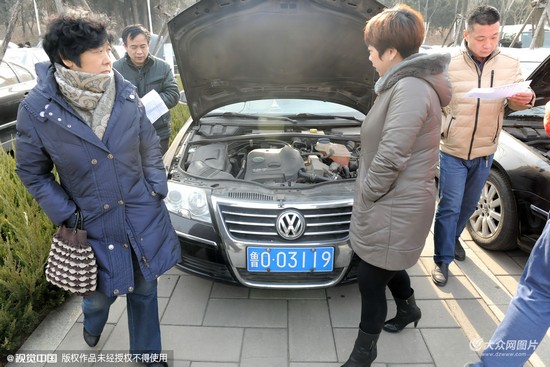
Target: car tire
{"x": 494, "y": 224}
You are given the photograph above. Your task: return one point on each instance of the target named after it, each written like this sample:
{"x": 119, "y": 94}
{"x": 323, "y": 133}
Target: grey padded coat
{"x": 395, "y": 190}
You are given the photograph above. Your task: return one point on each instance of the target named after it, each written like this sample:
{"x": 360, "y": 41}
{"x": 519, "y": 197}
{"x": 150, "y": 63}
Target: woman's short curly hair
{"x": 70, "y": 34}
{"x": 399, "y": 27}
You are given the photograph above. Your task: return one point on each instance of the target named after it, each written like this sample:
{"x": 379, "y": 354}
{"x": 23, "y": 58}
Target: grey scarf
{"x": 91, "y": 95}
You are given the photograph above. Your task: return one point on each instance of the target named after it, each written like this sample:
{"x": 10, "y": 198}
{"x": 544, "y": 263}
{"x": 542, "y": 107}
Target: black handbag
{"x": 71, "y": 264}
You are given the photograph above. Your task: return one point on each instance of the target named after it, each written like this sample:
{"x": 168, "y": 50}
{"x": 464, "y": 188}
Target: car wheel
{"x": 494, "y": 224}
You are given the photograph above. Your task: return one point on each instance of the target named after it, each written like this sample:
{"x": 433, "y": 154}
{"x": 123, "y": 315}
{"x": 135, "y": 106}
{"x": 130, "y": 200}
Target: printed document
{"x": 503, "y": 91}
{"x": 154, "y": 105}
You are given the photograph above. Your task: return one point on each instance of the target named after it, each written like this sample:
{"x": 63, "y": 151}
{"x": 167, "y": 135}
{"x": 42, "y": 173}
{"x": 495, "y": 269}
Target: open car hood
{"x": 234, "y": 51}
{"x": 540, "y": 81}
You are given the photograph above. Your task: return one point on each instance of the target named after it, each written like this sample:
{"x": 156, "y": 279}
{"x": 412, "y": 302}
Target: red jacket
{"x": 547, "y": 118}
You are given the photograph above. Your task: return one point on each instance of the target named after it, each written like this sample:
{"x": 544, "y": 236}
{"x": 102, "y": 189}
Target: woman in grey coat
{"x": 395, "y": 192}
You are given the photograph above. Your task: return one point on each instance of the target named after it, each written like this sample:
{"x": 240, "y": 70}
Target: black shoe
{"x": 90, "y": 339}
{"x": 440, "y": 274}
{"x": 364, "y": 351}
{"x": 407, "y": 312}
{"x": 460, "y": 254}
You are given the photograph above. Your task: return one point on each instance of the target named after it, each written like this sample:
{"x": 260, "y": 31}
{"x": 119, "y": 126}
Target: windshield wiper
{"x": 320, "y": 117}
{"x": 252, "y": 117}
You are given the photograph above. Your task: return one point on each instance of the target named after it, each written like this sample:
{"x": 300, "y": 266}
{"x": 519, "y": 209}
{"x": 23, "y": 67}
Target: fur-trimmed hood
{"x": 429, "y": 67}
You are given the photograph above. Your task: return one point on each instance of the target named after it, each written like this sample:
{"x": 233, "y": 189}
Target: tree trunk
{"x": 15, "y": 11}
{"x": 539, "y": 21}
{"x": 59, "y": 6}
{"x": 461, "y": 23}
{"x": 23, "y": 26}
{"x": 85, "y": 5}
{"x": 135, "y": 11}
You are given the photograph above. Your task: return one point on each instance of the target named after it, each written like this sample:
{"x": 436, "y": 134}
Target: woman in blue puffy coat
{"x": 85, "y": 120}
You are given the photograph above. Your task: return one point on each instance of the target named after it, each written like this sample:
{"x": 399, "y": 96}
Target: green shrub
{"x": 25, "y": 234}
{"x": 179, "y": 114}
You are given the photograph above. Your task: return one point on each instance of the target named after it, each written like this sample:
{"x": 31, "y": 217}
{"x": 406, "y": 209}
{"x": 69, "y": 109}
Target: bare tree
{"x": 16, "y": 10}
{"x": 59, "y": 6}
{"x": 84, "y": 5}
{"x": 460, "y": 23}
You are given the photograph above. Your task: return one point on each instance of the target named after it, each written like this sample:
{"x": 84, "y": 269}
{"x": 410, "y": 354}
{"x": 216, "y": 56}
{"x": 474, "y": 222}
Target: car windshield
{"x": 290, "y": 108}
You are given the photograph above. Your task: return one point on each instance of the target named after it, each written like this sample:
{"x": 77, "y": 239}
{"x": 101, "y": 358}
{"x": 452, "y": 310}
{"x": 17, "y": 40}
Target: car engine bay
{"x": 276, "y": 158}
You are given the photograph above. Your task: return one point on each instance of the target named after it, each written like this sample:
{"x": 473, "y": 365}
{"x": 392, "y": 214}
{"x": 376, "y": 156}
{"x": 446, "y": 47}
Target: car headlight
{"x": 188, "y": 202}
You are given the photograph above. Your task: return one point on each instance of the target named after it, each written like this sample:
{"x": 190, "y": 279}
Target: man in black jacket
{"x": 148, "y": 72}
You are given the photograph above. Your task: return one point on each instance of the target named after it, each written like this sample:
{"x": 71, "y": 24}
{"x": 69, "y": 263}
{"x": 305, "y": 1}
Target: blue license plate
{"x": 281, "y": 259}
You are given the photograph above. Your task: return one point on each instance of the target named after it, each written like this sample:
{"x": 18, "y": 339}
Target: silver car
{"x": 261, "y": 176}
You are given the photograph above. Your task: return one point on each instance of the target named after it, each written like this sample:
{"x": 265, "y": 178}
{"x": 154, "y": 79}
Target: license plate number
{"x": 281, "y": 259}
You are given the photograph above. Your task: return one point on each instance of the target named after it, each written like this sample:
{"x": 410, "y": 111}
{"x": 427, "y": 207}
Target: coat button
{"x": 110, "y": 156}
{"x": 153, "y": 193}
{"x": 132, "y": 96}
{"x": 130, "y": 289}
{"x": 115, "y": 292}
{"x": 120, "y": 202}
{"x": 125, "y": 245}
{"x": 106, "y": 206}
{"x": 94, "y": 161}
{"x": 111, "y": 247}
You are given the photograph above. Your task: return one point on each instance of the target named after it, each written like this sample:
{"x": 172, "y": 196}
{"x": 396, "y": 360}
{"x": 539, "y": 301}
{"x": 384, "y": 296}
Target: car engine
{"x": 274, "y": 161}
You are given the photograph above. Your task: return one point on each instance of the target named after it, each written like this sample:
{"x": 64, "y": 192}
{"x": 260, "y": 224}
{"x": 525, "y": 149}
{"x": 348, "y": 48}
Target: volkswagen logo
{"x": 290, "y": 224}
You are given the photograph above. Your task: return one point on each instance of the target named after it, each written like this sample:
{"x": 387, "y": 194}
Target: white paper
{"x": 503, "y": 91}
{"x": 154, "y": 106}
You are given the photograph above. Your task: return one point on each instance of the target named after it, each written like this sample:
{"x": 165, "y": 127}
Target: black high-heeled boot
{"x": 364, "y": 351}
{"x": 407, "y": 312}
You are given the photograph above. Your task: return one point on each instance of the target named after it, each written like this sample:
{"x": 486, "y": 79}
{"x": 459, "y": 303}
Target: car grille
{"x": 289, "y": 279}
{"x": 259, "y": 224}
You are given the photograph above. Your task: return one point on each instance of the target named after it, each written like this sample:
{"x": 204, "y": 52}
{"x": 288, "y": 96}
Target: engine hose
{"x": 312, "y": 177}
{"x": 347, "y": 173}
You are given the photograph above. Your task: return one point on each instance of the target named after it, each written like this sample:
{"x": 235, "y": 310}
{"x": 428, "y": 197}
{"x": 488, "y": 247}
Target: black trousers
{"x": 372, "y": 285}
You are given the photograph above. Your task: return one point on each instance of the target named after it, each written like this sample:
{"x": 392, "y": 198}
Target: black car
{"x": 15, "y": 82}
{"x": 515, "y": 201}
{"x": 261, "y": 177}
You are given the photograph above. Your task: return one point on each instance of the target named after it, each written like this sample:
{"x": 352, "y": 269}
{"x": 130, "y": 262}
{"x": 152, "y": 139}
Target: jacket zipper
{"x": 479, "y": 75}
{"x": 477, "y": 113}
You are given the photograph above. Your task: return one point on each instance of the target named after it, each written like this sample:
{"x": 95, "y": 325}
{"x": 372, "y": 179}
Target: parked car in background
{"x": 10, "y": 44}
{"x": 16, "y": 82}
{"x": 26, "y": 57}
{"x": 515, "y": 201}
{"x": 261, "y": 176}
{"x": 529, "y": 58}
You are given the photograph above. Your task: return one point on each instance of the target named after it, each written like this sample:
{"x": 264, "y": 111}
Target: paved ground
{"x": 207, "y": 324}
